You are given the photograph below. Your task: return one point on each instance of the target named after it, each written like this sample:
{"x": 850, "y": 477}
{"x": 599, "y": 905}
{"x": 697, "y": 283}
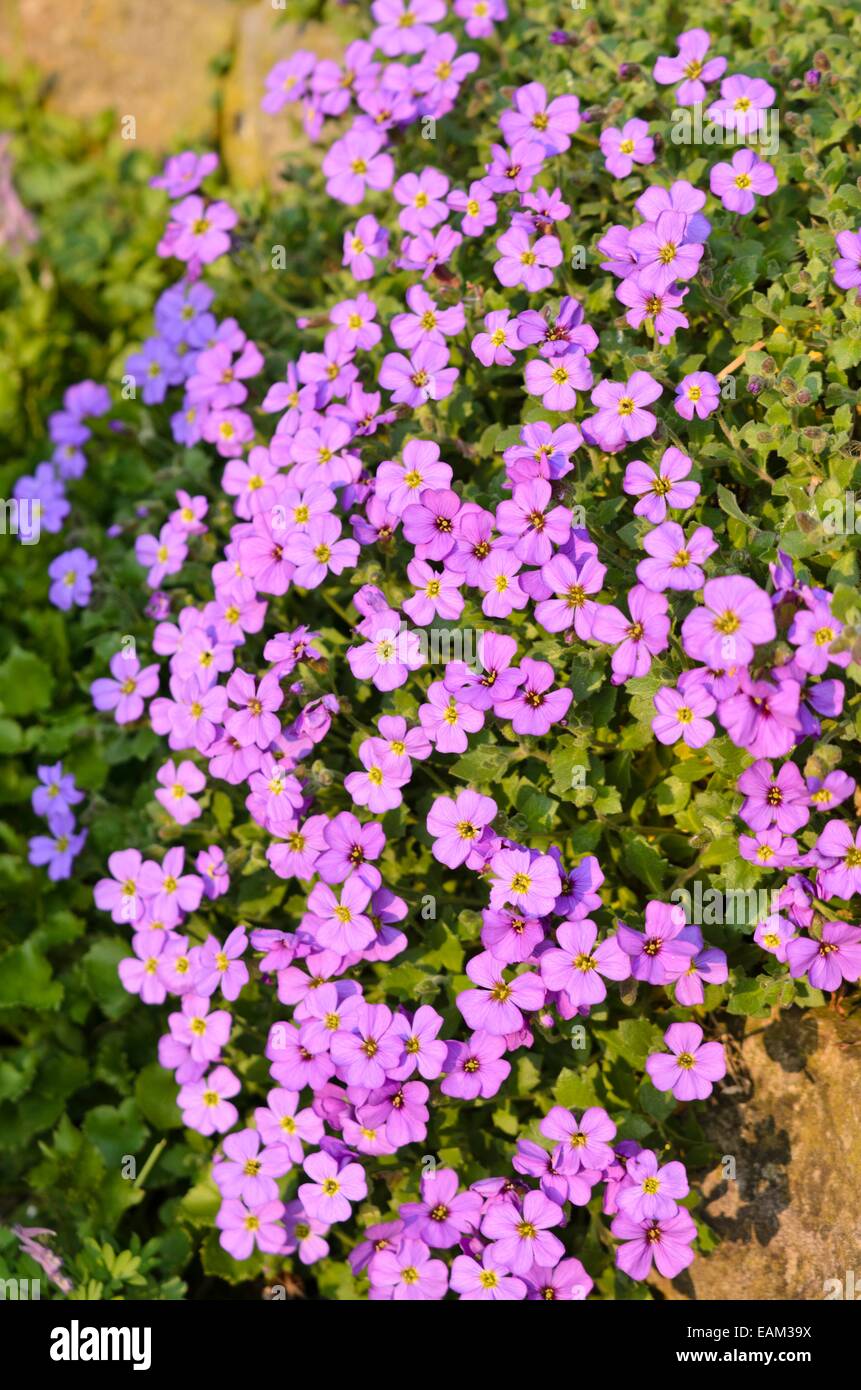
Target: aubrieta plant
{"x": 488, "y": 596}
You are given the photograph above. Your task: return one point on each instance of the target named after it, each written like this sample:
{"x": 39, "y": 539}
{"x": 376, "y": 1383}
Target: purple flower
{"x": 624, "y": 148}
{"x": 71, "y": 573}
{"x": 770, "y": 800}
{"x": 622, "y": 417}
{"x": 662, "y": 951}
{"x": 443, "y": 1215}
{"x": 126, "y": 692}
{"x": 408, "y": 1273}
{"x": 57, "y": 791}
{"x": 741, "y": 106}
{"x": 475, "y": 1068}
{"x": 422, "y": 198}
{"x": 683, "y": 714}
{"x": 636, "y": 639}
{"x": 829, "y": 961}
{"x": 222, "y": 966}
{"x": 288, "y": 80}
{"x": 653, "y": 1191}
{"x": 366, "y": 242}
{"x": 736, "y": 184}
{"x": 161, "y": 555}
{"x": 477, "y": 206}
{"x": 847, "y": 266}
{"x": 558, "y": 379}
{"x": 244, "y": 1227}
{"x": 697, "y": 394}
{"x": 586, "y": 1141}
{"x": 534, "y": 706}
{"x": 496, "y": 1006}
{"x": 354, "y": 163}
{"x": 206, "y": 1105}
{"x": 457, "y": 824}
{"x": 665, "y": 1243}
{"x": 154, "y": 370}
{"x": 689, "y": 67}
{"x": 571, "y": 586}
{"x": 333, "y": 1187}
{"x": 536, "y": 119}
{"x": 388, "y": 655}
{"x": 426, "y": 322}
{"x": 829, "y": 791}
{"x": 404, "y": 26}
{"x": 249, "y": 1172}
{"x": 567, "y": 1282}
{"x": 691, "y": 1067}
{"x": 659, "y": 307}
{"x": 480, "y": 17}
{"x": 485, "y": 1277}
{"x": 813, "y": 631}
{"x": 521, "y": 1232}
{"x": 524, "y": 262}
{"x": 446, "y": 720}
{"x": 836, "y": 843}
{"x": 177, "y": 788}
{"x": 530, "y": 883}
{"x": 675, "y": 563}
{"x": 663, "y": 255}
{"x": 429, "y": 523}
{"x": 424, "y": 376}
{"x": 500, "y": 340}
{"x": 198, "y": 231}
{"x": 577, "y": 968}
{"x": 59, "y": 849}
{"x": 366, "y": 1053}
{"x": 735, "y": 619}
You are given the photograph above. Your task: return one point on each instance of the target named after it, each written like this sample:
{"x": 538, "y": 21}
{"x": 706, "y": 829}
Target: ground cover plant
{"x": 434, "y": 709}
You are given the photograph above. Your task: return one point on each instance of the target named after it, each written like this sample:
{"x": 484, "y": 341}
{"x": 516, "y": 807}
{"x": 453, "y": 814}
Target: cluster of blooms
{"x": 43, "y": 493}
{"x": 501, "y": 1229}
{"x": 54, "y": 798}
{"x": 366, "y": 1066}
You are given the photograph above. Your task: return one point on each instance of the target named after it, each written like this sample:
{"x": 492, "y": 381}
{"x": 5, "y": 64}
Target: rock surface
{"x": 791, "y": 1219}
{"x": 138, "y": 59}
{"x": 153, "y": 62}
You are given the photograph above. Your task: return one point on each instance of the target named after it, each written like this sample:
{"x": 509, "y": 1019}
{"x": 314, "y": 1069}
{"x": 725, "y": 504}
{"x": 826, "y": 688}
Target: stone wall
{"x": 153, "y": 60}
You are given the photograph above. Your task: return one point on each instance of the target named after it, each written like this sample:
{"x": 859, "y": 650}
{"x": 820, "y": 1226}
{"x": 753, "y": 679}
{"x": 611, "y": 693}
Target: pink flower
{"x": 691, "y": 1067}
{"x": 558, "y": 379}
{"x": 675, "y": 563}
{"x": 363, "y": 244}
{"x": 662, "y": 488}
{"x": 683, "y": 715}
{"x": 126, "y": 692}
{"x": 637, "y": 639}
{"x": 524, "y": 262}
{"x": 354, "y": 163}
{"x": 624, "y": 148}
{"x": 738, "y": 183}
{"x": 530, "y": 883}
{"x": 177, "y": 788}
{"x": 254, "y": 722}
{"x": 424, "y": 376}
{"x": 690, "y": 68}
{"x": 622, "y": 417}
{"x": 333, "y": 1187}
{"x": 497, "y": 1005}
{"x": 498, "y": 343}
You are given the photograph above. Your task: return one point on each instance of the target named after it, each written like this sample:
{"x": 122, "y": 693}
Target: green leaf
{"x": 26, "y": 980}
